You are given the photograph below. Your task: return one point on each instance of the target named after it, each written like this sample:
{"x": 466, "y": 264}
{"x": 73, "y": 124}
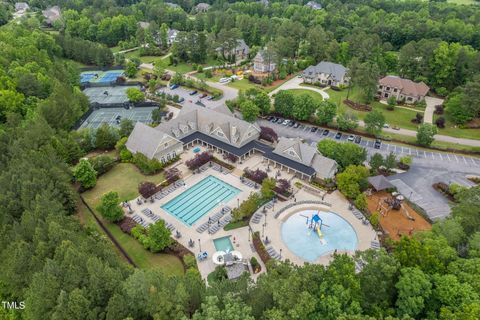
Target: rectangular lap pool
{"x": 223, "y": 244}
{"x": 198, "y": 200}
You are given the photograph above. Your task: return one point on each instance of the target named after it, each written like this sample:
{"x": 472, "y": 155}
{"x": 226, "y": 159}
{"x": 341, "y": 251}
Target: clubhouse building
{"x": 219, "y": 130}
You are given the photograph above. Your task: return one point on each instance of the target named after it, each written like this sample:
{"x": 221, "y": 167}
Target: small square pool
{"x": 223, "y": 244}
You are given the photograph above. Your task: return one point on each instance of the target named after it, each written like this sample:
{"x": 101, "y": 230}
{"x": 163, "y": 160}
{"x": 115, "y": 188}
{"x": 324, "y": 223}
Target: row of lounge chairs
{"x": 220, "y": 169}
{"x": 249, "y": 183}
{"x": 213, "y": 219}
{"x": 375, "y": 245}
{"x": 257, "y": 216}
{"x": 169, "y": 189}
{"x": 140, "y": 221}
{"x": 220, "y": 224}
{"x": 156, "y": 218}
{"x": 273, "y": 253}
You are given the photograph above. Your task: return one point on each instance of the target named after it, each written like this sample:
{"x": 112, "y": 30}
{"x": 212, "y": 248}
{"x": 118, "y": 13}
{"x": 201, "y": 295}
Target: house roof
{"x": 314, "y": 5}
{"x": 241, "y": 45}
{"x": 202, "y": 6}
{"x": 172, "y": 32}
{"x": 52, "y": 14}
{"x": 172, "y": 5}
{"x": 262, "y": 56}
{"x": 143, "y": 24}
{"x": 21, "y": 6}
{"x": 406, "y": 86}
{"x": 380, "y": 183}
{"x": 335, "y": 70}
{"x": 145, "y": 139}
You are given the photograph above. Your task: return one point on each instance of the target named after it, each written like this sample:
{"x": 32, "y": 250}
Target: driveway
{"x": 294, "y": 83}
{"x": 431, "y": 103}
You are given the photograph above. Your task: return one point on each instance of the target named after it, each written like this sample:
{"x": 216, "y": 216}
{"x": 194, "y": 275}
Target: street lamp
{"x": 265, "y": 218}
{"x": 263, "y": 230}
{"x": 280, "y": 254}
{"x": 238, "y": 203}
{"x": 199, "y": 247}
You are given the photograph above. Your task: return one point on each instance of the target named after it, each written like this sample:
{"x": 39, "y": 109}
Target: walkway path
{"x": 431, "y": 103}
{"x": 294, "y": 83}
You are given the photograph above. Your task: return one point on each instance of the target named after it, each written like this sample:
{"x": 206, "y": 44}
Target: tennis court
{"x": 113, "y": 116}
{"x": 97, "y": 76}
{"x": 108, "y": 94}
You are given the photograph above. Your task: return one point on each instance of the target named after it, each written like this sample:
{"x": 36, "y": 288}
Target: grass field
{"x": 466, "y": 2}
{"x": 315, "y": 95}
{"x": 450, "y": 129}
{"x": 399, "y": 117}
{"x": 124, "y": 179}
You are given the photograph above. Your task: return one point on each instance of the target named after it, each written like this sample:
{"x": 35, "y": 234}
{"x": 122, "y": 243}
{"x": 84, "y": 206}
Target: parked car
{"x": 286, "y": 122}
{"x": 210, "y": 97}
{"x": 274, "y": 119}
{"x": 314, "y": 129}
{"x": 181, "y": 100}
{"x": 174, "y": 86}
{"x": 386, "y": 126}
{"x": 203, "y": 95}
{"x": 270, "y": 118}
{"x": 358, "y": 139}
{"x": 301, "y": 126}
{"x": 224, "y": 80}
{"x": 338, "y": 135}
{"x": 377, "y": 144}
{"x": 351, "y": 138}
{"x": 296, "y": 125}
{"x": 279, "y": 120}
{"x": 192, "y": 93}
{"x": 326, "y": 132}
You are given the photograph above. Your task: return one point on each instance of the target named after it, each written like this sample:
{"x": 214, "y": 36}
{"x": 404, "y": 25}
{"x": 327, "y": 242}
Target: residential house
{"x": 202, "y": 7}
{"x": 266, "y": 3}
{"x": 143, "y": 24}
{"x": 314, "y": 5}
{"x": 21, "y": 7}
{"x": 52, "y": 14}
{"x": 264, "y": 62}
{"x": 218, "y": 129}
{"x": 326, "y": 74}
{"x": 240, "y": 51}
{"x": 171, "y": 36}
{"x": 404, "y": 90}
{"x": 172, "y": 5}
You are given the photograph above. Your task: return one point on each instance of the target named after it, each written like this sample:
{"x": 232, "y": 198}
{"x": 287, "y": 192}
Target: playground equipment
{"x": 316, "y": 224}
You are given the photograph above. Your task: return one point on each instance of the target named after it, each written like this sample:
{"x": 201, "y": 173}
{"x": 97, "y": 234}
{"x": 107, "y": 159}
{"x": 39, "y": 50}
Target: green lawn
{"x": 451, "y": 129}
{"x": 315, "y": 95}
{"x": 399, "y": 117}
{"x": 467, "y": 2}
{"x": 244, "y": 85}
{"x": 124, "y": 179}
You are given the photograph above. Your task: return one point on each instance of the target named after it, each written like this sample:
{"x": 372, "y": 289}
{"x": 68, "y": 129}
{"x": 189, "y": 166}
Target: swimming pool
{"x": 223, "y": 244}
{"x": 305, "y": 242}
{"x": 198, "y": 200}
{"x": 196, "y": 150}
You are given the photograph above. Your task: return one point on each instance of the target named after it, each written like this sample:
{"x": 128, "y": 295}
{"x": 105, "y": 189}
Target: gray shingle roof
{"x": 380, "y": 183}
{"x": 145, "y": 139}
{"x": 337, "y": 71}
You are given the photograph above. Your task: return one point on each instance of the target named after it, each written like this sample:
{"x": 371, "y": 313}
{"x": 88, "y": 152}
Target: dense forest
{"x": 63, "y": 270}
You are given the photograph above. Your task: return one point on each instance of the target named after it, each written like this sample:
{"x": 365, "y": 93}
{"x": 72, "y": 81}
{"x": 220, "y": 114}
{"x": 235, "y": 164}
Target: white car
{"x": 286, "y": 122}
{"x": 386, "y": 126}
{"x": 224, "y": 80}
{"x": 351, "y": 138}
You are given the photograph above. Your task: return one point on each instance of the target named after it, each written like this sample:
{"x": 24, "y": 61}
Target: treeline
{"x": 85, "y": 51}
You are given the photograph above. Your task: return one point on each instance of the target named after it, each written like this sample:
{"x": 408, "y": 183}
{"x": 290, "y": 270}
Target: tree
{"x": 109, "y": 207}
{"x": 135, "y": 95}
{"x": 126, "y": 127}
{"x": 158, "y": 236}
{"x": 106, "y": 137}
{"x": 267, "y": 188}
{"x": 352, "y": 180}
{"x": 366, "y": 78}
{"x": 392, "y": 102}
{"x": 131, "y": 69}
{"x": 390, "y": 161}
{"x": 425, "y": 134}
{"x": 304, "y": 106}
{"x": 147, "y": 189}
{"x": 249, "y": 110}
{"x": 284, "y": 102}
{"x": 347, "y": 121}
{"x": 374, "y": 122}
{"x": 414, "y": 289}
{"x": 345, "y": 154}
{"x": 455, "y": 108}
{"x": 326, "y": 112}
{"x": 85, "y": 174}
{"x": 260, "y": 98}
{"x": 376, "y": 161}
{"x": 157, "y": 115}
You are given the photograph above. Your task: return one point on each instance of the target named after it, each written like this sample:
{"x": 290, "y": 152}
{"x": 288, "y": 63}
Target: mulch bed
{"x": 260, "y": 248}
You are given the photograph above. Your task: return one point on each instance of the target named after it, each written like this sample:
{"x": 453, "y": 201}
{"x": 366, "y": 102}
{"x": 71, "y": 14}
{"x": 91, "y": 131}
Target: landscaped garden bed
{"x": 260, "y": 248}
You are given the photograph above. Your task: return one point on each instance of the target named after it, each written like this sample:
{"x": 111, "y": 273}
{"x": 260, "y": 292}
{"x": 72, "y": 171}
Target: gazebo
{"x": 380, "y": 183}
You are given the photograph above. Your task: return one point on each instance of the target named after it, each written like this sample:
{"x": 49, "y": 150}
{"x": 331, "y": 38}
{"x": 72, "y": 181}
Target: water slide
{"x": 317, "y": 229}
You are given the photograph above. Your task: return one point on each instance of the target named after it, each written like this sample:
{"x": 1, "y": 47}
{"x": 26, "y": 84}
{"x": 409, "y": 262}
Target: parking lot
{"x": 184, "y": 93}
{"x": 305, "y": 132}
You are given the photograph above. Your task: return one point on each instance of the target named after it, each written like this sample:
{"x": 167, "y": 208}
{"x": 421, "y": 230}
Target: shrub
{"x": 260, "y": 248}
{"x": 127, "y": 224}
{"x": 145, "y": 165}
{"x": 374, "y": 219}
{"x": 361, "y": 201}
{"x": 109, "y": 207}
{"x": 439, "y": 109}
{"x": 172, "y": 175}
{"x": 190, "y": 261}
{"x": 440, "y": 122}
{"x": 257, "y": 176}
{"x": 247, "y": 207}
{"x": 156, "y": 238}
{"x": 106, "y": 137}
{"x": 219, "y": 274}
{"x": 198, "y": 161}
{"x": 268, "y": 134}
{"x": 255, "y": 265}
{"x": 351, "y": 181}
{"x": 85, "y": 174}
{"x": 147, "y": 189}
{"x": 283, "y": 187}
{"x": 230, "y": 157}
{"x": 125, "y": 155}
{"x": 268, "y": 185}
{"x": 454, "y": 189}
{"x": 102, "y": 164}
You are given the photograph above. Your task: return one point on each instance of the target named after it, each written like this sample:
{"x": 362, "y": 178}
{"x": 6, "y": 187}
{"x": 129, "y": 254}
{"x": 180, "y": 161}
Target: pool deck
{"x": 273, "y": 230}
{"x": 240, "y": 237}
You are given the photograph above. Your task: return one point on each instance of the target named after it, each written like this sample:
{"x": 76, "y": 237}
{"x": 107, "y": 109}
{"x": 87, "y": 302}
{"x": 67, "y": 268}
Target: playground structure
{"x": 316, "y": 223}
{"x": 395, "y": 202}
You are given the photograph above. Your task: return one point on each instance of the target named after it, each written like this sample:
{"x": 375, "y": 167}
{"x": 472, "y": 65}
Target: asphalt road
{"x": 416, "y": 184}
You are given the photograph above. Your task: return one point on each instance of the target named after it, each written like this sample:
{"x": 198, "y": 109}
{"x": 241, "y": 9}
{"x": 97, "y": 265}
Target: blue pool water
{"x": 305, "y": 243}
{"x": 223, "y": 244}
{"x": 198, "y": 200}
{"x": 196, "y": 150}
